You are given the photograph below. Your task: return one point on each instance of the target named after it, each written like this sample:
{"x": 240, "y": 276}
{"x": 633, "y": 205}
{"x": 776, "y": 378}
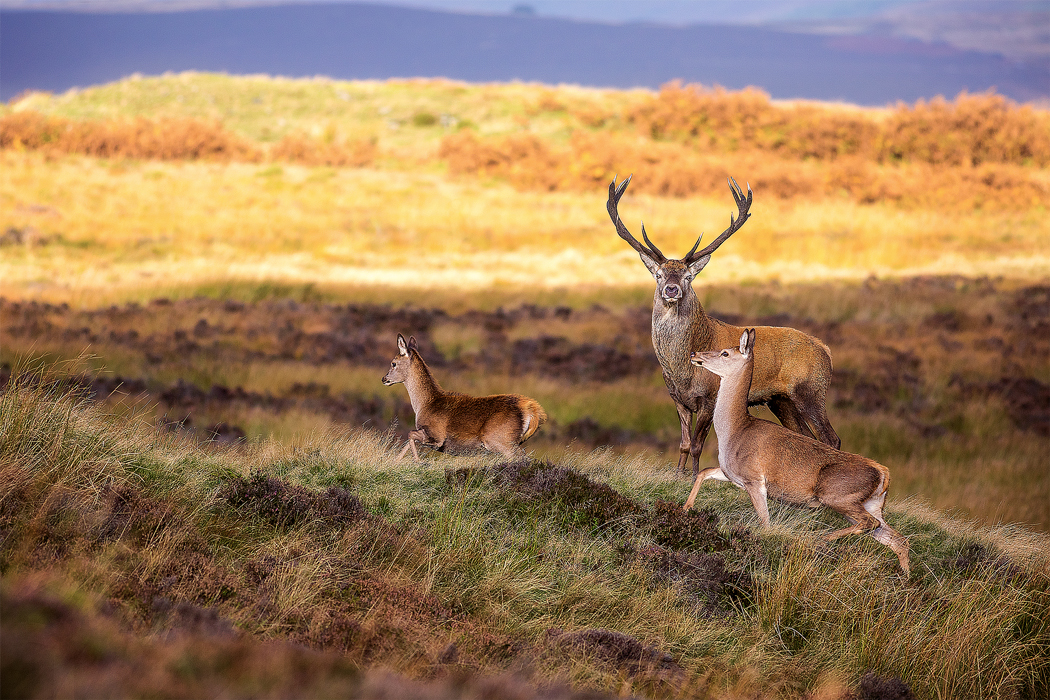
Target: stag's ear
{"x": 694, "y": 268}
{"x": 402, "y": 346}
{"x": 653, "y": 266}
{"x": 412, "y": 345}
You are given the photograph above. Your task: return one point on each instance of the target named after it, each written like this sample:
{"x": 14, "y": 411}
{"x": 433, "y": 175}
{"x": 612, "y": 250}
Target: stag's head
{"x": 407, "y": 353}
{"x": 674, "y": 277}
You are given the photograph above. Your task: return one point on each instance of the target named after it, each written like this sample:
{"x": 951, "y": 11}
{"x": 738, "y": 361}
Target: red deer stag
{"x": 764, "y": 459}
{"x": 446, "y": 419}
{"x": 792, "y": 369}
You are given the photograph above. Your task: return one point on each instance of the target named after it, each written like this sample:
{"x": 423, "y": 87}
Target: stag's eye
{"x": 393, "y": 364}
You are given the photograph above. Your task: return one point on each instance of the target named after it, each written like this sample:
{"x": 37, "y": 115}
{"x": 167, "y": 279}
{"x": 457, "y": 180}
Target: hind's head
{"x": 728, "y": 361}
{"x": 407, "y": 354}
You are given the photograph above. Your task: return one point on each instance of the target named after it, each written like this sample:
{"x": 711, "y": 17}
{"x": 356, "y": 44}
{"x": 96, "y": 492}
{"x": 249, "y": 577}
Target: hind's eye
{"x": 725, "y": 353}
{"x": 393, "y": 364}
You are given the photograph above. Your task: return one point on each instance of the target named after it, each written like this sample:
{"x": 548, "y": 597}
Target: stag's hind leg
{"x": 789, "y": 416}
{"x": 812, "y": 405}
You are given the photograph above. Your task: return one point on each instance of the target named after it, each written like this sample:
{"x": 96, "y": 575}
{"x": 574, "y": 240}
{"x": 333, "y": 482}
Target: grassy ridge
{"x": 472, "y": 568}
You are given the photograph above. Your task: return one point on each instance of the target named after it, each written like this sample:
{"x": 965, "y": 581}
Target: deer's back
{"x": 797, "y": 468}
{"x": 786, "y": 360}
{"x": 467, "y": 417}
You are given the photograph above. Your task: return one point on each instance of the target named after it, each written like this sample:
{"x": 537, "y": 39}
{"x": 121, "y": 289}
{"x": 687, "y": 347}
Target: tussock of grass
{"x": 104, "y": 508}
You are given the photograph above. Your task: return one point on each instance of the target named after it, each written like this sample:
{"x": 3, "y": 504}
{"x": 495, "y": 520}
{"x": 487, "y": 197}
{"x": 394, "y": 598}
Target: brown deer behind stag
{"x": 447, "y": 419}
{"x": 792, "y": 369}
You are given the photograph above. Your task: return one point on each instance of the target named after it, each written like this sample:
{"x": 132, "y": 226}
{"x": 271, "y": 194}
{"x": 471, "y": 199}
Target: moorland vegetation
{"x": 201, "y": 280}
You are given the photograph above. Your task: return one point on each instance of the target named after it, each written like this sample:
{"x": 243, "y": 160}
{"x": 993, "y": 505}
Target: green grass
{"x": 508, "y": 566}
{"x": 265, "y": 109}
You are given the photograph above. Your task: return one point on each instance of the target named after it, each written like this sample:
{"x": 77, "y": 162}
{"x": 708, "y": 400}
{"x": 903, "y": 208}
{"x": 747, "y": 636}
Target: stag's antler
{"x": 743, "y": 204}
{"x": 614, "y": 198}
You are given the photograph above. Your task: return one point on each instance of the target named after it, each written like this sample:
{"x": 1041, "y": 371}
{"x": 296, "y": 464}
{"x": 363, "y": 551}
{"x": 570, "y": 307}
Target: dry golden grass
{"x": 135, "y": 229}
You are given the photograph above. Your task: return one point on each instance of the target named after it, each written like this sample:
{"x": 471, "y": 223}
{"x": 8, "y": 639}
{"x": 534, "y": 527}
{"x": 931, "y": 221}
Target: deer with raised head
{"x": 766, "y": 459}
{"x": 447, "y": 419}
{"x": 792, "y": 369}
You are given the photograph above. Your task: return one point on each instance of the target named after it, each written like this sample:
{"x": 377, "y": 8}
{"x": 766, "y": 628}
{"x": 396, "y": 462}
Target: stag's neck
{"x": 679, "y": 329}
{"x": 423, "y": 389}
{"x": 731, "y": 415}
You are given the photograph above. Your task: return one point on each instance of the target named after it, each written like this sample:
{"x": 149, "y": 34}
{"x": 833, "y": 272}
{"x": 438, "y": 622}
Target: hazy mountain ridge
{"x": 1018, "y": 29}
{"x": 56, "y": 50}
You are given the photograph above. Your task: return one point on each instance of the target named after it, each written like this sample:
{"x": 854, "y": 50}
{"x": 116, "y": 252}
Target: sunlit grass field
{"x": 130, "y": 230}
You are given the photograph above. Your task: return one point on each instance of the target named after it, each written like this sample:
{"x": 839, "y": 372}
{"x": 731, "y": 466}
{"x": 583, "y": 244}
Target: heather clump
{"x": 706, "y": 580}
{"x": 694, "y": 529}
{"x": 619, "y": 650}
{"x": 286, "y": 505}
{"x": 579, "y": 500}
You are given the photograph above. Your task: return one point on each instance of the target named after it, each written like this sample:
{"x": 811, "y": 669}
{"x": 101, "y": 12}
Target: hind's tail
{"x": 532, "y": 417}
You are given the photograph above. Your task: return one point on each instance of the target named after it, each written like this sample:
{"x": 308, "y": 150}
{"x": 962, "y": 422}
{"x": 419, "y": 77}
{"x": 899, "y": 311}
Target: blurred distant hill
{"x": 904, "y": 52}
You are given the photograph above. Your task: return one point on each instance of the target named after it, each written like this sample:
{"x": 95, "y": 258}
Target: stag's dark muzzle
{"x": 672, "y": 292}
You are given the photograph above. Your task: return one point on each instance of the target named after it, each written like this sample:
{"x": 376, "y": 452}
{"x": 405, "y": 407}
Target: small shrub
{"x": 582, "y": 501}
{"x": 285, "y": 505}
{"x": 874, "y": 687}
{"x": 696, "y": 530}
{"x": 615, "y": 648}
{"x": 703, "y": 578}
{"x": 164, "y": 139}
{"x": 424, "y": 119}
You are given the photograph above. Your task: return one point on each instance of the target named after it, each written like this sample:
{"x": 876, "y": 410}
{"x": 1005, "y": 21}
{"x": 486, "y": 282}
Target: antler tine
{"x": 743, "y": 204}
{"x": 615, "y": 192}
{"x": 693, "y": 249}
{"x": 650, "y": 244}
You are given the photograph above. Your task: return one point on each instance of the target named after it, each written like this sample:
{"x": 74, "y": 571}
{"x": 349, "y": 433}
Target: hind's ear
{"x": 750, "y": 340}
{"x": 743, "y": 342}
{"x": 412, "y": 345}
{"x": 402, "y": 346}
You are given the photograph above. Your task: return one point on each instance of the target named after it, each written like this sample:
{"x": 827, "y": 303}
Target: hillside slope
{"x": 136, "y": 564}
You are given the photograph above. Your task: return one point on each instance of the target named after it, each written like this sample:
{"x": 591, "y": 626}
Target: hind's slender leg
{"x": 709, "y": 473}
{"x": 411, "y": 443}
{"x": 420, "y": 434}
{"x": 758, "y": 494}
{"x": 886, "y": 534}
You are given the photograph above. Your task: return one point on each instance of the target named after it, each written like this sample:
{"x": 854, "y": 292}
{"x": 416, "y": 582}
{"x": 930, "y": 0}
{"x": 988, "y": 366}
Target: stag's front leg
{"x": 700, "y": 432}
{"x": 684, "y": 447}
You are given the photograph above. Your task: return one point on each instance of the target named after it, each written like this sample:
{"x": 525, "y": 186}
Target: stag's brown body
{"x": 766, "y": 459}
{"x": 448, "y": 420}
{"x": 792, "y": 369}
